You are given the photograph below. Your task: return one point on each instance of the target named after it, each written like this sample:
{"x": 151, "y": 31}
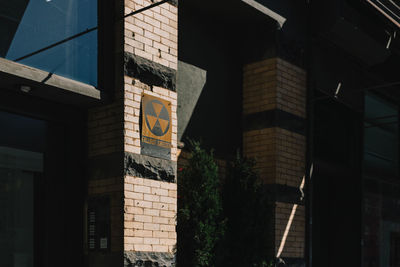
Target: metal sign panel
{"x": 156, "y": 127}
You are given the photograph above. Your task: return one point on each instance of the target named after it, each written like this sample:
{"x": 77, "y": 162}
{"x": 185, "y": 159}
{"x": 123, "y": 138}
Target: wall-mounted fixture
{"x": 25, "y": 88}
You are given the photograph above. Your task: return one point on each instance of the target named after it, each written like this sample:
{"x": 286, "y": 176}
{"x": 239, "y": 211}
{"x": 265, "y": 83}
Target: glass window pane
{"x": 28, "y": 26}
{"x": 380, "y": 137}
{"x": 380, "y": 166}
{"x": 17, "y": 227}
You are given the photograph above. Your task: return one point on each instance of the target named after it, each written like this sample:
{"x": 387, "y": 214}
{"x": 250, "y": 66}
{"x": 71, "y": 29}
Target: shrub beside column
{"x": 200, "y": 224}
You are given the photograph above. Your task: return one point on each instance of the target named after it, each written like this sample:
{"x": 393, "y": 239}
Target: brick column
{"x": 150, "y": 190}
{"x": 132, "y": 190}
{"x": 274, "y": 134}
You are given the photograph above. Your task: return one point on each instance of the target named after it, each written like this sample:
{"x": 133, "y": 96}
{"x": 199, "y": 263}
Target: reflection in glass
{"x": 17, "y": 172}
{"x": 380, "y": 137}
{"x": 27, "y": 26}
{"x": 381, "y": 199}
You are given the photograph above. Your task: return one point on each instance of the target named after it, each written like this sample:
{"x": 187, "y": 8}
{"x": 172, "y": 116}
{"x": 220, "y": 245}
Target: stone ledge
{"x": 149, "y": 72}
{"x": 48, "y": 85}
{"x": 148, "y": 259}
{"x": 119, "y": 164}
{"x": 149, "y": 167}
{"x": 274, "y": 118}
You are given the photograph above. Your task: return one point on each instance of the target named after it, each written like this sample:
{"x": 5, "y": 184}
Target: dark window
{"x": 336, "y": 133}
{"x": 30, "y": 25}
{"x": 395, "y": 250}
{"x": 380, "y": 138}
{"x": 22, "y": 141}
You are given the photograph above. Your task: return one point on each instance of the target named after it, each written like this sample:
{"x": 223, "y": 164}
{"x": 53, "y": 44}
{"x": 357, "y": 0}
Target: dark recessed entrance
{"x": 337, "y": 203}
{"x": 42, "y": 186}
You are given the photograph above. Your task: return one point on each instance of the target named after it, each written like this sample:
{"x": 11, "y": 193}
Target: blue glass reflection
{"x": 33, "y": 25}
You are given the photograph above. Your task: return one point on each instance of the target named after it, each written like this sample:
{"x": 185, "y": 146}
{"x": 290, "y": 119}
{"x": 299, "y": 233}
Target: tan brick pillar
{"x": 132, "y": 190}
{"x": 274, "y": 133}
{"x": 150, "y": 189}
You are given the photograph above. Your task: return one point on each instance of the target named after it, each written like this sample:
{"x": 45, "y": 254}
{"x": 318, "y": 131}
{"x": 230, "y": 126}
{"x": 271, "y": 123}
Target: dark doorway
{"x": 42, "y": 185}
{"x": 395, "y": 250}
{"x": 336, "y": 217}
{"x": 337, "y": 187}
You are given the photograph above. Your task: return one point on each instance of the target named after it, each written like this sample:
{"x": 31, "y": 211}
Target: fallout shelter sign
{"x": 156, "y": 127}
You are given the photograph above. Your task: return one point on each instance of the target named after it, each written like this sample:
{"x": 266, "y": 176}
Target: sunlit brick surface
{"x": 152, "y": 34}
{"x": 150, "y": 215}
{"x": 274, "y": 83}
{"x": 280, "y": 154}
{"x": 269, "y": 85}
{"x": 295, "y": 240}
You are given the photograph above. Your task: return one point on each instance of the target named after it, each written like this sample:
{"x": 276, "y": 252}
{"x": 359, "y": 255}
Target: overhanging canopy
{"x": 281, "y": 20}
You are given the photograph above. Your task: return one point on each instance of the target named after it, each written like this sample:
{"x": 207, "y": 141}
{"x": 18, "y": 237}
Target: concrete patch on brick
{"x": 148, "y": 259}
{"x": 149, "y": 167}
{"x": 149, "y": 72}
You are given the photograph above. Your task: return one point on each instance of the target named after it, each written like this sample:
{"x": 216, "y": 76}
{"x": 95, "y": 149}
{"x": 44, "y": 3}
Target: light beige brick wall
{"x": 291, "y": 88}
{"x": 134, "y": 89}
{"x": 280, "y": 154}
{"x": 149, "y": 206}
{"x": 150, "y": 215}
{"x": 142, "y": 210}
{"x": 261, "y": 145}
{"x": 268, "y": 85}
{"x": 105, "y": 128}
{"x": 295, "y": 240}
{"x": 105, "y": 136}
{"x": 274, "y": 83}
{"x": 259, "y": 86}
{"x": 290, "y": 157}
{"x": 152, "y": 34}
